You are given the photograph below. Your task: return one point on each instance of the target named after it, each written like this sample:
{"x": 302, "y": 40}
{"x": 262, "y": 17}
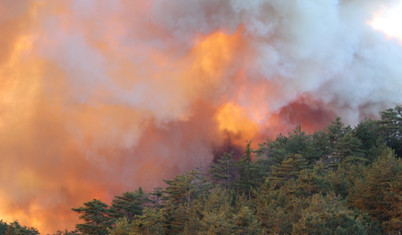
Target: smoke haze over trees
{"x": 102, "y": 97}
{"x": 289, "y": 185}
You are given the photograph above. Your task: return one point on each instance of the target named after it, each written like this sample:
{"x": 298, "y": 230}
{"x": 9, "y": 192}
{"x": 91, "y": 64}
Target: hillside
{"x": 339, "y": 180}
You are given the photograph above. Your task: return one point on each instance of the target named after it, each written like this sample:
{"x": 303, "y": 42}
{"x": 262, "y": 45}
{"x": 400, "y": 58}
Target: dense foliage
{"x": 15, "y": 228}
{"x": 339, "y": 180}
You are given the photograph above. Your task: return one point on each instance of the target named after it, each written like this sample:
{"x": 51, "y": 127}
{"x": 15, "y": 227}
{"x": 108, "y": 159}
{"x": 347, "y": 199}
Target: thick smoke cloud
{"x": 100, "y": 97}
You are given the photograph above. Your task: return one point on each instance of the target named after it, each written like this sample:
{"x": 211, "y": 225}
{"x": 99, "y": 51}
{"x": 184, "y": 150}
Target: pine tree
{"x": 217, "y": 214}
{"x": 312, "y": 181}
{"x": 336, "y": 131}
{"x": 273, "y": 151}
{"x": 128, "y": 205}
{"x": 178, "y": 198}
{"x": 344, "y": 177}
{"x": 15, "y": 228}
{"x": 347, "y": 146}
{"x": 390, "y": 127}
{"x": 297, "y": 142}
{"x": 244, "y": 216}
{"x": 367, "y": 131}
{"x": 250, "y": 175}
{"x": 150, "y": 222}
{"x": 320, "y": 145}
{"x": 329, "y": 215}
{"x": 379, "y": 192}
{"x": 289, "y": 169}
{"x": 156, "y": 197}
{"x": 224, "y": 171}
{"x": 95, "y": 213}
{"x": 122, "y": 227}
{"x": 300, "y": 143}
{"x": 277, "y": 208}
{"x": 3, "y": 227}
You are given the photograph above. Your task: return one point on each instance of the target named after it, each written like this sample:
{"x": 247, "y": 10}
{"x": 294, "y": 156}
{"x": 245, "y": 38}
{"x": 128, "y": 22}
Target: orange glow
{"x": 101, "y": 97}
{"x": 211, "y": 57}
{"x": 234, "y": 119}
{"x": 213, "y": 53}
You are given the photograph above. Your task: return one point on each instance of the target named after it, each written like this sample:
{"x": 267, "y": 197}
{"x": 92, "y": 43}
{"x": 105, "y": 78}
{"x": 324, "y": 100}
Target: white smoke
{"x": 322, "y": 48}
{"x": 104, "y": 96}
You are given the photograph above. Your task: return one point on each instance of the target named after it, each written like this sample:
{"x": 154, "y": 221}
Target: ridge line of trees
{"x": 339, "y": 180}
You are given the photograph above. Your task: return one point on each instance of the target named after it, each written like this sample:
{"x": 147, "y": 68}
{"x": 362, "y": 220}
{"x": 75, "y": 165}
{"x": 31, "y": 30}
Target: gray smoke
{"x": 100, "y": 97}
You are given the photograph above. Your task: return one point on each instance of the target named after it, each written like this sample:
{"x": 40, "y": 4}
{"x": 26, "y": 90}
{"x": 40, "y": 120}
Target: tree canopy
{"x": 338, "y": 180}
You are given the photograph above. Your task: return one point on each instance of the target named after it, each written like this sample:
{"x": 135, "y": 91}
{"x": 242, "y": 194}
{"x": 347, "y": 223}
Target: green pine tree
{"x": 128, "y": 205}
{"x": 95, "y": 213}
{"x": 379, "y": 192}
{"x": 390, "y": 127}
{"x": 289, "y": 169}
{"x": 224, "y": 171}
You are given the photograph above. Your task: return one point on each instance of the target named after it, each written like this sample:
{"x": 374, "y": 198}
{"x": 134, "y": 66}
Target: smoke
{"x": 100, "y": 97}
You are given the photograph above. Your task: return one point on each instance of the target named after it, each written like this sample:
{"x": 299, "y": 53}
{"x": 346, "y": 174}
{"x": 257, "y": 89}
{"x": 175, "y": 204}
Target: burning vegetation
{"x": 101, "y": 97}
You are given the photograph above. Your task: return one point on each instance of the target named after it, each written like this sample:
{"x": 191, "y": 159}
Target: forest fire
{"x": 233, "y": 119}
{"x": 101, "y": 97}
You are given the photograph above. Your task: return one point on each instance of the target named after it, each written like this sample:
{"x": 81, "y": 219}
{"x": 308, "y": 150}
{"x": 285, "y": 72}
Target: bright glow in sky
{"x": 389, "y": 21}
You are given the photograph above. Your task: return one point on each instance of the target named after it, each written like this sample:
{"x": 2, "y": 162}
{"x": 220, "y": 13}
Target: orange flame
{"x": 155, "y": 116}
{"x": 234, "y": 119}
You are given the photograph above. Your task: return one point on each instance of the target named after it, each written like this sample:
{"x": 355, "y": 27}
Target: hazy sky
{"x": 98, "y": 97}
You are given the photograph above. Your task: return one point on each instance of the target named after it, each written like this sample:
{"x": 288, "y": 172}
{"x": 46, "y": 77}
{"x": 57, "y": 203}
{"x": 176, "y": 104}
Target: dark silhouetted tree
{"x": 128, "y": 205}
{"x": 390, "y": 127}
{"x": 224, "y": 171}
{"x": 95, "y": 213}
{"x": 15, "y": 228}
{"x": 379, "y": 192}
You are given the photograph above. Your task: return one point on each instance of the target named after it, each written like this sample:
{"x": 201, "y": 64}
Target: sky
{"x": 101, "y": 97}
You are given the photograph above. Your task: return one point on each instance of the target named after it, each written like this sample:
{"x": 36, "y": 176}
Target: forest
{"x": 338, "y": 180}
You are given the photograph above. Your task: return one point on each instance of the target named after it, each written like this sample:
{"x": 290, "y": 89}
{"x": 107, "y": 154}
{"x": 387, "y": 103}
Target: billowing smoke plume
{"x": 100, "y": 97}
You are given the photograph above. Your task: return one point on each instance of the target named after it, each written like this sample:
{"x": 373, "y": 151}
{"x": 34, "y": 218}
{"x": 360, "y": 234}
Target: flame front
{"x": 100, "y": 97}
{"x": 234, "y": 120}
